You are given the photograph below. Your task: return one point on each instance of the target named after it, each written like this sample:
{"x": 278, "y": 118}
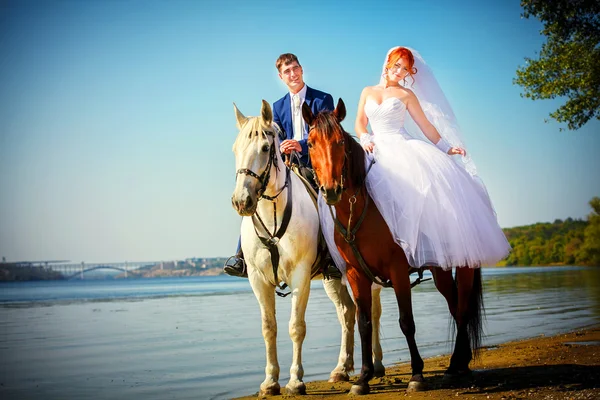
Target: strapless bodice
{"x": 386, "y": 118}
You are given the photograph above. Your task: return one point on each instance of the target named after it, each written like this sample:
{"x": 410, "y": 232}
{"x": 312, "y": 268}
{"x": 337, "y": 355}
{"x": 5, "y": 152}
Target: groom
{"x": 287, "y": 113}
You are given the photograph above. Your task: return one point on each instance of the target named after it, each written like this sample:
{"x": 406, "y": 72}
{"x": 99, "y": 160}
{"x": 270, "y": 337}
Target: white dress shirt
{"x": 297, "y": 120}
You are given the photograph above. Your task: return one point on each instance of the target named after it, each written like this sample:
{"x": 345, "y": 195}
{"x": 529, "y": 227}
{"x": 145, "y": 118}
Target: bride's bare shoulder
{"x": 403, "y": 93}
{"x": 372, "y": 88}
{"x": 408, "y": 91}
{"x": 369, "y": 90}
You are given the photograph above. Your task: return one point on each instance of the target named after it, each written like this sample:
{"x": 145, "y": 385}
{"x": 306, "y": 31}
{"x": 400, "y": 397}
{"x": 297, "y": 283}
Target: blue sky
{"x": 116, "y": 117}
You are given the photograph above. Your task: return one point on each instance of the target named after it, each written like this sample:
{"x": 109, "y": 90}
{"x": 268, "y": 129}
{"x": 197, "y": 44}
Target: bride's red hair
{"x": 402, "y": 52}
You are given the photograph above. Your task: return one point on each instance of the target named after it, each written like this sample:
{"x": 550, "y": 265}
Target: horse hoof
{"x": 273, "y": 390}
{"x": 416, "y": 387}
{"x": 339, "y": 377}
{"x": 416, "y": 384}
{"x": 360, "y": 390}
{"x": 299, "y": 390}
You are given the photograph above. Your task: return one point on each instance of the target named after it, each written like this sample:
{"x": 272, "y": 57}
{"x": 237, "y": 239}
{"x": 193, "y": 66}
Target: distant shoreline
{"x": 503, "y": 265}
{"x": 14, "y": 273}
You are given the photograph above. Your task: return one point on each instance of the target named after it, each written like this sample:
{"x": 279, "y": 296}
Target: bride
{"x": 436, "y": 207}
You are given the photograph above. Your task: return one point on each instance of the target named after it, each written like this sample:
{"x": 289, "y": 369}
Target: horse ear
{"x": 340, "y": 110}
{"x": 266, "y": 113}
{"x": 240, "y": 119}
{"x": 307, "y": 114}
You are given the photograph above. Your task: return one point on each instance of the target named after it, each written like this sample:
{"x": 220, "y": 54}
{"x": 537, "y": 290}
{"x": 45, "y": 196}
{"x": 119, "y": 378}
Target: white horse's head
{"x": 256, "y": 152}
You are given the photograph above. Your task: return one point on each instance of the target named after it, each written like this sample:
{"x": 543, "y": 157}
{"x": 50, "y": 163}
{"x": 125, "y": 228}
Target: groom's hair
{"x": 284, "y": 59}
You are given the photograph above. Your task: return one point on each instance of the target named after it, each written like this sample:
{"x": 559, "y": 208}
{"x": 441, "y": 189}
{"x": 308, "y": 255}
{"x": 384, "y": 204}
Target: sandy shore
{"x": 566, "y": 366}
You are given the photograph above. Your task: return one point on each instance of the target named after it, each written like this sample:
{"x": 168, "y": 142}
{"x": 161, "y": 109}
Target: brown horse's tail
{"x": 476, "y": 313}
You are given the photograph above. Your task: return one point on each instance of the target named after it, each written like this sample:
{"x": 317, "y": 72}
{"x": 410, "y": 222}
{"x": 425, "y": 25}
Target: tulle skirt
{"x": 436, "y": 211}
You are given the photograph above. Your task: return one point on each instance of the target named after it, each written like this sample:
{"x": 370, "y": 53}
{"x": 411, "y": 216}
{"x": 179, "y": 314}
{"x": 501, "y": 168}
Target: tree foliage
{"x": 569, "y": 62}
{"x": 591, "y": 246}
{"x": 568, "y": 242}
{"x": 546, "y": 243}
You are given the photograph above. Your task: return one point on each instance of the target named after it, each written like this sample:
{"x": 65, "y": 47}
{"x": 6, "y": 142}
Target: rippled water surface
{"x": 200, "y": 338}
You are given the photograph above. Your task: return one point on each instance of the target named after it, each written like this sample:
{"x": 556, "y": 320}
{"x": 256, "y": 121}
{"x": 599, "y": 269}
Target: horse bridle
{"x": 273, "y": 238}
{"x": 349, "y": 232}
{"x": 310, "y": 128}
{"x": 263, "y": 178}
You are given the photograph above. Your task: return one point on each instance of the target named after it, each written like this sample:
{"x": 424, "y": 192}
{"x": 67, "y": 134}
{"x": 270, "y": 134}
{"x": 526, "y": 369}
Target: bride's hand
{"x": 369, "y": 147}
{"x": 457, "y": 150}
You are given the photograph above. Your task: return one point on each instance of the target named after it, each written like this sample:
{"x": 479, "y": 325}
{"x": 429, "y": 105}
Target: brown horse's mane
{"x": 327, "y": 125}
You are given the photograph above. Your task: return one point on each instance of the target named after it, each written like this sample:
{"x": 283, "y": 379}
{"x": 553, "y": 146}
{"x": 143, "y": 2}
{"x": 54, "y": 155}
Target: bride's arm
{"x": 360, "y": 125}
{"x": 417, "y": 114}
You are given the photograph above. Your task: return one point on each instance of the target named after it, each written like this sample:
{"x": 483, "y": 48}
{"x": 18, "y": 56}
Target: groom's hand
{"x": 289, "y": 145}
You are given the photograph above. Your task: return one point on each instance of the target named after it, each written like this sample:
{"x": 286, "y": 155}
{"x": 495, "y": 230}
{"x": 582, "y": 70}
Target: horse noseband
{"x": 263, "y": 178}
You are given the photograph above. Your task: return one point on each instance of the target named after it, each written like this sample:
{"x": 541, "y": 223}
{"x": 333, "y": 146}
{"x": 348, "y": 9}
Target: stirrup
{"x": 330, "y": 271}
{"x": 233, "y": 269}
{"x": 420, "y": 278}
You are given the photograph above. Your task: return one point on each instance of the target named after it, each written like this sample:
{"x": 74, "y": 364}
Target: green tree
{"x": 535, "y": 248}
{"x": 572, "y": 250}
{"x": 572, "y": 241}
{"x": 558, "y": 251}
{"x": 590, "y": 249}
{"x": 569, "y": 62}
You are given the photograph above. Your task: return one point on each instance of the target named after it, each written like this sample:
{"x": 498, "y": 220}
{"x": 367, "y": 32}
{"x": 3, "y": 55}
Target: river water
{"x": 200, "y": 338}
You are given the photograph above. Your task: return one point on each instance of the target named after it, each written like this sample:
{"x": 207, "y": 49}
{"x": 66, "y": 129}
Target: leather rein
{"x": 271, "y": 241}
{"x": 349, "y": 232}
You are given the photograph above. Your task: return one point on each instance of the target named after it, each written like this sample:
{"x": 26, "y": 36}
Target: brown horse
{"x": 339, "y": 164}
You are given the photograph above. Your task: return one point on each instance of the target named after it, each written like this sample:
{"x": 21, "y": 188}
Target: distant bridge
{"x": 76, "y": 270}
{"x": 72, "y": 271}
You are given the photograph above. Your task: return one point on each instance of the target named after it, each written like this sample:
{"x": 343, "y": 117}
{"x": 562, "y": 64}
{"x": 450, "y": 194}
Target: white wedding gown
{"x": 437, "y": 212}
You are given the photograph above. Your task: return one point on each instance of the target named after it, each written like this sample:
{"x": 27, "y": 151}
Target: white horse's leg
{"x": 346, "y": 312}
{"x": 378, "y": 368}
{"x": 300, "y": 284}
{"x": 265, "y": 294}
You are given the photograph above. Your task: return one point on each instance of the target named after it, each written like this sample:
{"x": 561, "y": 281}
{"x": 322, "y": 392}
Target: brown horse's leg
{"x": 401, "y": 282}
{"x": 361, "y": 288}
{"x": 378, "y": 367}
{"x": 444, "y": 282}
{"x": 468, "y": 320}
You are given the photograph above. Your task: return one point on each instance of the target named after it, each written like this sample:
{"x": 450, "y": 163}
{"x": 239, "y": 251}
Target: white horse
{"x": 281, "y": 227}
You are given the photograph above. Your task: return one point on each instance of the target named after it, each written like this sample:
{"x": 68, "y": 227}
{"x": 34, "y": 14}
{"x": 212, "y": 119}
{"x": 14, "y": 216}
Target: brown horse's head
{"x": 337, "y": 159}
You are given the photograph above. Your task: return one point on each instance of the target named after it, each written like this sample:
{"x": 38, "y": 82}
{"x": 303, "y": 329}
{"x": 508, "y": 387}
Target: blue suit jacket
{"x": 282, "y": 115}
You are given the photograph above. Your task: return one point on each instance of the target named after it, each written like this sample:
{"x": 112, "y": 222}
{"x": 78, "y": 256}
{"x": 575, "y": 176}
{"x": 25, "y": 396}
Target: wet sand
{"x": 565, "y": 366}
